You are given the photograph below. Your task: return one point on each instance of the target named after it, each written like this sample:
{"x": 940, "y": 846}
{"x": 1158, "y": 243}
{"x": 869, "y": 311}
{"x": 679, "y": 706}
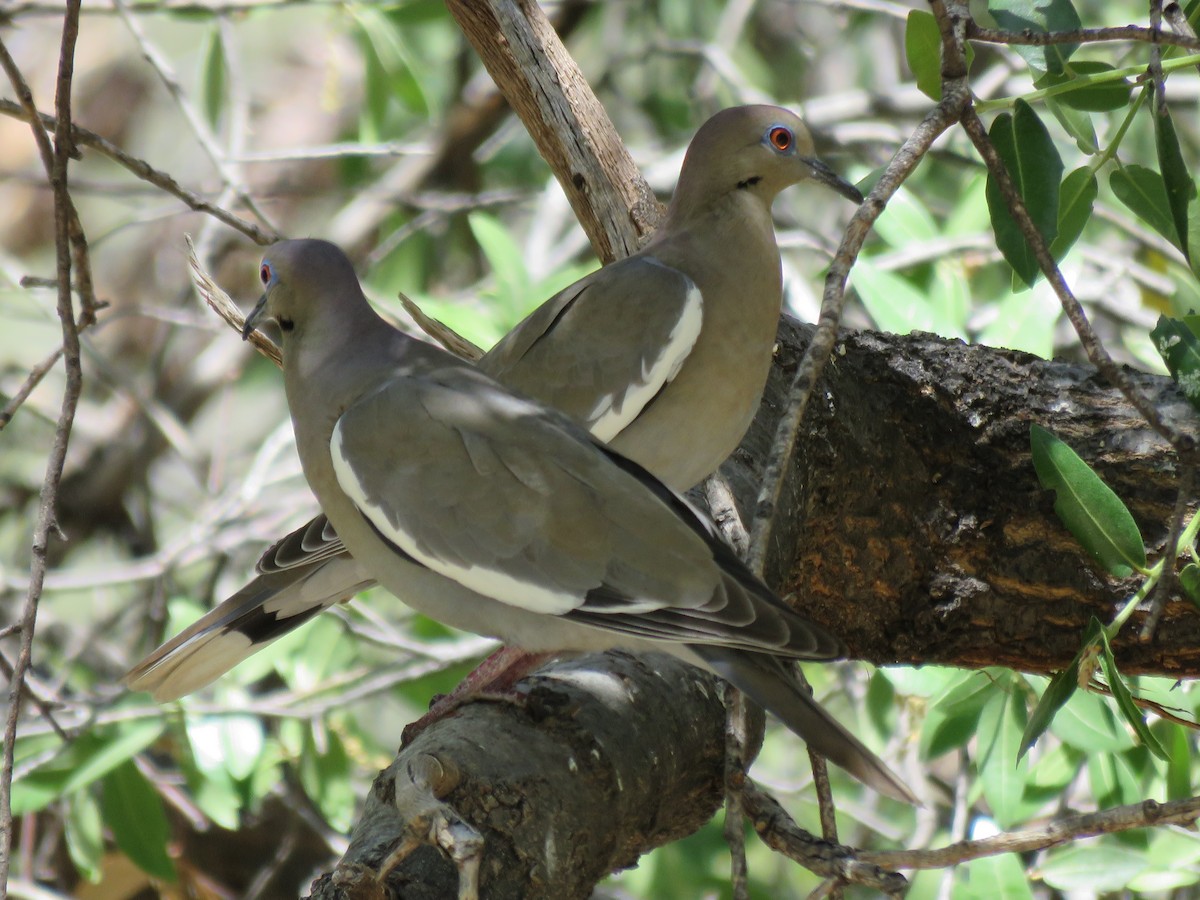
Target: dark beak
{"x": 255, "y": 316}
{"x": 824, "y": 175}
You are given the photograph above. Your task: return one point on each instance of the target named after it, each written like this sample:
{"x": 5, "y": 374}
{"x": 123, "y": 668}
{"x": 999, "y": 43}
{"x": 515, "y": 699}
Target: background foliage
{"x": 373, "y": 125}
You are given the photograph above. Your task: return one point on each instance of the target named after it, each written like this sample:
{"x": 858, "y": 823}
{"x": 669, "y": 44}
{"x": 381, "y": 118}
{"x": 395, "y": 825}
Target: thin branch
{"x": 1028, "y": 37}
{"x": 200, "y": 129}
{"x": 84, "y": 138}
{"x": 63, "y": 214}
{"x": 1147, "y": 814}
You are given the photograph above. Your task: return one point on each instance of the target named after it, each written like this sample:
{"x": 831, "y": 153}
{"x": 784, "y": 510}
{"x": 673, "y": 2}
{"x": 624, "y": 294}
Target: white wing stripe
{"x": 488, "y": 582}
{"x": 606, "y": 423}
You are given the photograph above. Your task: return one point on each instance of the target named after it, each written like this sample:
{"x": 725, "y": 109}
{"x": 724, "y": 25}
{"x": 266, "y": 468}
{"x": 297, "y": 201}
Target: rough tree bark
{"x": 912, "y": 524}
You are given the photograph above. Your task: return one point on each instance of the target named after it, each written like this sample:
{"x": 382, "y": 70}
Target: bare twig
{"x": 200, "y": 129}
{"x": 84, "y": 138}
{"x": 1029, "y": 37}
{"x": 1146, "y": 814}
{"x": 56, "y": 163}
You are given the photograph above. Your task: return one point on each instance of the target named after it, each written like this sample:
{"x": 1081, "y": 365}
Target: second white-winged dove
{"x": 664, "y": 355}
{"x": 495, "y": 514}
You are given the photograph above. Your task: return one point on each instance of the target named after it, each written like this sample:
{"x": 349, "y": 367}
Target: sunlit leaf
{"x": 1035, "y": 168}
{"x": 1087, "y": 506}
{"x": 1075, "y": 199}
{"x": 923, "y": 50}
{"x": 1143, "y": 192}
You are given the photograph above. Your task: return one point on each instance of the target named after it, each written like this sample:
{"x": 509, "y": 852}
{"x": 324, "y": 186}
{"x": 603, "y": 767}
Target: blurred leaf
{"x": 1189, "y": 580}
{"x": 90, "y": 757}
{"x": 1035, "y": 167}
{"x": 1143, "y": 192}
{"x": 396, "y": 75}
{"x": 504, "y": 257}
{"x": 1179, "y": 761}
{"x": 906, "y": 221}
{"x": 1001, "y": 771}
{"x": 1075, "y": 199}
{"x": 212, "y": 77}
{"x": 1047, "y": 15}
{"x": 1087, "y": 95}
{"x": 1087, "y": 506}
{"x": 1180, "y": 188}
{"x": 1125, "y": 703}
{"x": 923, "y": 50}
{"x": 229, "y": 743}
{"x": 134, "y": 812}
{"x": 84, "y": 834}
{"x": 1112, "y": 782}
{"x": 992, "y": 878}
{"x": 1087, "y": 723}
{"x": 895, "y": 303}
{"x": 953, "y": 717}
{"x": 1056, "y": 769}
{"x": 325, "y": 775}
{"x": 1178, "y": 344}
{"x": 1092, "y": 868}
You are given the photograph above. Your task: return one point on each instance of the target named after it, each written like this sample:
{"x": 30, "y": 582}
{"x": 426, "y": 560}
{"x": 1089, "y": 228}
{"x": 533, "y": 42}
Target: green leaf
{"x": 1087, "y": 506}
{"x": 1088, "y": 93}
{"x": 1181, "y": 190}
{"x": 1001, "y": 772}
{"x": 1087, "y": 723}
{"x": 1076, "y": 123}
{"x": 1179, "y": 346}
{"x": 134, "y": 812}
{"x": 1075, "y": 199}
{"x": 923, "y": 50}
{"x": 1142, "y": 190}
{"x": 212, "y": 77}
{"x": 88, "y": 758}
{"x": 1093, "y": 868}
{"x": 1179, "y": 761}
{"x": 953, "y": 718}
{"x": 992, "y": 878}
{"x": 84, "y": 833}
{"x": 1035, "y": 167}
{"x": 1061, "y": 687}
{"x": 1039, "y": 16}
{"x": 1124, "y": 698}
{"x": 325, "y": 775}
{"x": 1189, "y": 580}
{"x": 505, "y": 258}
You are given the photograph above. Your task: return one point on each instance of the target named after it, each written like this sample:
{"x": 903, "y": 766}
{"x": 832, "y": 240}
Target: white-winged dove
{"x": 495, "y": 514}
{"x": 663, "y": 354}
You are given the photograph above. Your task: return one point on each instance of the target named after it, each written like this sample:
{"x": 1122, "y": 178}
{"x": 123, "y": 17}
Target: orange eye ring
{"x": 264, "y": 273}
{"x": 781, "y": 138}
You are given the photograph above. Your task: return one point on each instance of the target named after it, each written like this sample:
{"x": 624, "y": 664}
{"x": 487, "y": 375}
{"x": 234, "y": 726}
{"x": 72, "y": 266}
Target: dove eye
{"x": 781, "y": 138}
{"x": 264, "y": 273}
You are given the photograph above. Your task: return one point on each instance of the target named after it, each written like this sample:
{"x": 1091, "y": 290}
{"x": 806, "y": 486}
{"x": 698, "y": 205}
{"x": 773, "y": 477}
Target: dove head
{"x": 758, "y": 149}
{"x": 308, "y": 285}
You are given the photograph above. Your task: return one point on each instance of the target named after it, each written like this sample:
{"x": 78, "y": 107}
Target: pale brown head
{"x": 760, "y": 149}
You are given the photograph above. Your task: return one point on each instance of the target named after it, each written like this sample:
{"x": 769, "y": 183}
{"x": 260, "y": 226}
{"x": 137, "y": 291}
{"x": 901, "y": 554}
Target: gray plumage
{"x": 663, "y": 354}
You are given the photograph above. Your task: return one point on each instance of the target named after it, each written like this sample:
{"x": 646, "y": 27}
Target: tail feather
{"x": 263, "y": 611}
{"x": 767, "y": 681}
